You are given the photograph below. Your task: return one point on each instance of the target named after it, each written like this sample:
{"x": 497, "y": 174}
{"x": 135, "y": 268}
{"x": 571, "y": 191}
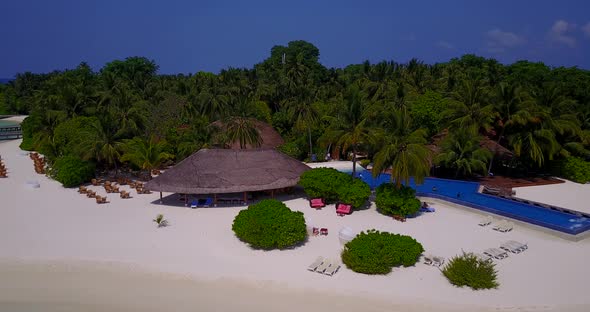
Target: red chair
{"x": 342, "y": 209}
{"x": 317, "y": 203}
{"x": 324, "y": 231}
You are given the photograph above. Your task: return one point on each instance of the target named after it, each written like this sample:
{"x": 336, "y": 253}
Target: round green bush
{"x": 391, "y": 200}
{"x": 270, "y": 224}
{"x": 377, "y": 252}
{"x": 469, "y": 270}
{"x": 576, "y": 169}
{"x": 333, "y": 185}
{"x": 72, "y": 171}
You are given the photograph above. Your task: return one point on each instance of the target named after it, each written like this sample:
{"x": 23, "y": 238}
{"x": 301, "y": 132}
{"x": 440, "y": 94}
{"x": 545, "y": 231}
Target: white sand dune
{"x": 56, "y": 227}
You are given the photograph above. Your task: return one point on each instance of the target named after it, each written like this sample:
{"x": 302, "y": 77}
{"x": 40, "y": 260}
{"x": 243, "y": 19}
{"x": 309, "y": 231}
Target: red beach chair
{"x": 342, "y": 209}
{"x": 324, "y": 231}
{"x": 317, "y": 203}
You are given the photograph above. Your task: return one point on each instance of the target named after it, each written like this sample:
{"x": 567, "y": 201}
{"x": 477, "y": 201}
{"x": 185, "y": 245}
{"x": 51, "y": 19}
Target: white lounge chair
{"x": 503, "y": 226}
{"x": 518, "y": 245}
{"x": 438, "y": 261}
{"x": 483, "y": 257}
{"x": 322, "y": 267}
{"x": 510, "y": 247}
{"x": 333, "y": 268}
{"x": 485, "y": 221}
{"x": 495, "y": 253}
{"x": 312, "y": 267}
{"x": 427, "y": 259}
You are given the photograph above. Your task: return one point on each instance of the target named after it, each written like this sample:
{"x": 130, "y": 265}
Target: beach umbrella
{"x": 346, "y": 234}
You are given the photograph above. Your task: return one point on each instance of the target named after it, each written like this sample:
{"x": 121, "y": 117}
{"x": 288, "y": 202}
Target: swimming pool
{"x": 465, "y": 193}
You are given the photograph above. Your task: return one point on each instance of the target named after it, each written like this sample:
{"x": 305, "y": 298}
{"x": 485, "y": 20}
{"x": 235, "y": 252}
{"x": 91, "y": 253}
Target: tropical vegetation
{"x": 270, "y": 224}
{"x": 471, "y": 271}
{"x": 388, "y": 111}
{"x": 335, "y": 186}
{"x": 377, "y": 252}
{"x": 396, "y": 201}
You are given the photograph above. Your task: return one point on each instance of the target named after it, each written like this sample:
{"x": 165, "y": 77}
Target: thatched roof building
{"x": 270, "y": 137}
{"x": 215, "y": 171}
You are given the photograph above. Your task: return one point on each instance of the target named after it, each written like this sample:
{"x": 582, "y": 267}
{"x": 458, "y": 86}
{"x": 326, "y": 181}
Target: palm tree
{"x": 470, "y": 108}
{"x": 462, "y": 153}
{"x": 242, "y": 130}
{"x": 350, "y": 128}
{"x": 145, "y": 154}
{"x": 403, "y": 150}
{"x": 303, "y": 112}
{"x": 99, "y": 142}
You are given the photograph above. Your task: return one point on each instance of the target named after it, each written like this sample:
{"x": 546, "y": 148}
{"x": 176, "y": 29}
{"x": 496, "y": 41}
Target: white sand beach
{"x": 63, "y": 252}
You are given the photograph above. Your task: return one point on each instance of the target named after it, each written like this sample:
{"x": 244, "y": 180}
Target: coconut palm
{"x": 99, "y": 142}
{"x": 242, "y": 130}
{"x": 462, "y": 153}
{"x": 470, "y": 107}
{"x": 403, "y": 149}
{"x": 145, "y": 154}
{"x": 350, "y": 127}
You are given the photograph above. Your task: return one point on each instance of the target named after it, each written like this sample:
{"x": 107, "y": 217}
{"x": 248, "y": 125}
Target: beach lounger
{"x": 427, "y": 259}
{"x": 342, "y": 209}
{"x": 485, "y": 221}
{"x": 483, "y": 257}
{"x": 322, "y": 267}
{"x": 514, "y": 246}
{"x": 194, "y": 204}
{"x": 438, "y": 261}
{"x": 207, "y": 202}
{"x": 333, "y": 268}
{"x": 317, "y": 203}
{"x": 314, "y": 265}
{"x": 503, "y": 226}
{"x": 427, "y": 209}
{"x": 495, "y": 253}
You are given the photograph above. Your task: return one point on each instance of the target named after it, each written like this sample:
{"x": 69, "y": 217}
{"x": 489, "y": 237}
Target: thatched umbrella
{"x": 216, "y": 171}
{"x": 270, "y": 137}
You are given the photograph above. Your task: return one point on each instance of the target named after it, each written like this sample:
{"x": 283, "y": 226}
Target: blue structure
{"x": 466, "y": 194}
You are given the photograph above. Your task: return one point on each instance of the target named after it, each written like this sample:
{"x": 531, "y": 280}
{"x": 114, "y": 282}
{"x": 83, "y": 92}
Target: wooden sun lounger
{"x": 314, "y": 265}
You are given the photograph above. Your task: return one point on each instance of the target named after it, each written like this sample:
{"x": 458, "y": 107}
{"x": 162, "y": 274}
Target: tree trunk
{"x": 353, "y": 161}
{"x": 495, "y": 150}
{"x": 310, "y": 147}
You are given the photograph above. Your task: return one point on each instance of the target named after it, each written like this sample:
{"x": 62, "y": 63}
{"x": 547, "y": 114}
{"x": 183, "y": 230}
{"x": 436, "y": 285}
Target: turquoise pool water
{"x": 8, "y": 123}
{"x": 465, "y": 193}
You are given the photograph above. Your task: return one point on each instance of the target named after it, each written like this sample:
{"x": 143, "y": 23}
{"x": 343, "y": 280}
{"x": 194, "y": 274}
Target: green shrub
{"x": 72, "y": 171}
{"x": 355, "y": 192}
{"x": 576, "y": 169}
{"x": 364, "y": 163}
{"x": 333, "y": 185}
{"x": 292, "y": 149}
{"x": 270, "y": 224}
{"x": 377, "y": 252}
{"x": 68, "y": 134}
{"x": 469, "y": 270}
{"x": 393, "y": 201}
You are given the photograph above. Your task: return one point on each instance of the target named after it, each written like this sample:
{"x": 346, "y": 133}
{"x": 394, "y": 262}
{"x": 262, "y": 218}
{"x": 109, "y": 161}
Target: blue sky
{"x": 189, "y": 36}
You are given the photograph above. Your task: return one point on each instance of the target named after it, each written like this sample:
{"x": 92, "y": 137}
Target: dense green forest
{"x": 128, "y": 114}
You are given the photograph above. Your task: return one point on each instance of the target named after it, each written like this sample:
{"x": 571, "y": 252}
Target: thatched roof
{"x": 270, "y": 137}
{"x": 487, "y": 143}
{"x": 214, "y": 171}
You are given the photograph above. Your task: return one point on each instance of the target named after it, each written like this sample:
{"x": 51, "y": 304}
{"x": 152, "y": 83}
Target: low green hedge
{"x": 270, "y": 224}
{"x": 72, "y": 171}
{"x": 333, "y": 185}
{"x": 576, "y": 169}
{"x": 377, "y": 252}
{"x": 469, "y": 270}
{"x": 391, "y": 200}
